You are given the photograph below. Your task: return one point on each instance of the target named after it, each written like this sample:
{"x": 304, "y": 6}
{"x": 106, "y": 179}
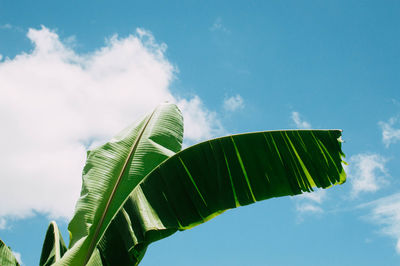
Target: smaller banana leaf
{"x": 7, "y": 258}
{"x": 53, "y": 247}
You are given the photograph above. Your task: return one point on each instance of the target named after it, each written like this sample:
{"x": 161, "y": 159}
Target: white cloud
{"x": 233, "y": 103}
{"x": 385, "y": 212}
{"x": 317, "y": 196}
{"x": 55, "y": 102}
{"x": 309, "y": 208}
{"x": 200, "y": 123}
{"x": 17, "y": 255}
{"x": 1, "y": 57}
{"x": 300, "y": 123}
{"x": 218, "y": 26}
{"x": 310, "y": 202}
{"x": 366, "y": 173}
{"x": 2, "y": 223}
{"x": 390, "y": 135}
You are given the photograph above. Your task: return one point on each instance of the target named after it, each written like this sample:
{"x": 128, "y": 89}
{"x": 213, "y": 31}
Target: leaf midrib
{"x": 57, "y": 241}
{"x": 130, "y": 155}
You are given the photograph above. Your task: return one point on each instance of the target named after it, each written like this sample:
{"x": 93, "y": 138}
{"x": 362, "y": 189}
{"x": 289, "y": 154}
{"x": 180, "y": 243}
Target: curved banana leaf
{"x": 53, "y": 247}
{"x": 204, "y": 180}
{"x": 113, "y": 170}
{"x": 6, "y": 256}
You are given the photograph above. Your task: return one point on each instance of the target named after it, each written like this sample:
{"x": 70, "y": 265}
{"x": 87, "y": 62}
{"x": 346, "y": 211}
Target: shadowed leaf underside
{"x": 53, "y": 247}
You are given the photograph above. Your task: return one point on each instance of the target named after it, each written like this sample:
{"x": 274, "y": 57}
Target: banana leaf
{"x": 209, "y": 178}
{"x": 7, "y": 258}
{"x": 53, "y": 247}
{"x": 112, "y": 171}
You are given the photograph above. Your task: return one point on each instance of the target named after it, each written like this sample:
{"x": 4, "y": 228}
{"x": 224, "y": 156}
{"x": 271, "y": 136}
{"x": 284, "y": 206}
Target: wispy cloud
{"x": 390, "y": 135}
{"x": 233, "y": 103}
{"x": 309, "y": 203}
{"x": 2, "y": 223}
{"x": 218, "y": 26}
{"x": 385, "y": 212}
{"x": 6, "y": 26}
{"x": 17, "y": 255}
{"x": 317, "y": 196}
{"x": 54, "y": 102}
{"x": 308, "y": 208}
{"x": 9, "y": 26}
{"x": 299, "y": 121}
{"x": 366, "y": 173}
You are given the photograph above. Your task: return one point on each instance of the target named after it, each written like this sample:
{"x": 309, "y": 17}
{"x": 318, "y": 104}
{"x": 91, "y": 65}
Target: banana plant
{"x": 6, "y": 255}
{"x": 140, "y": 187}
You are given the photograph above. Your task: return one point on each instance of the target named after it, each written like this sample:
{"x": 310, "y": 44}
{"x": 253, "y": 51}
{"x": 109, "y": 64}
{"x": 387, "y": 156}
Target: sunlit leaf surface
{"x": 111, "y": 173}
{"x": 6, "y": 256}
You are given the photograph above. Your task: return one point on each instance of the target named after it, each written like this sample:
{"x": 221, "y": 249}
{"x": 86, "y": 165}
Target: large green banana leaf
{"x": 204, "y": 180}
{"x": 6, "y": 256}
{"x": 53, "y": 247}
{"x": 112, "y": 171}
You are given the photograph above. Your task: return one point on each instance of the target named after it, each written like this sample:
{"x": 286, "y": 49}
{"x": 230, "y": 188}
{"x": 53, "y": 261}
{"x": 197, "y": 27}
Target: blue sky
{"x": 73, "y": 73}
